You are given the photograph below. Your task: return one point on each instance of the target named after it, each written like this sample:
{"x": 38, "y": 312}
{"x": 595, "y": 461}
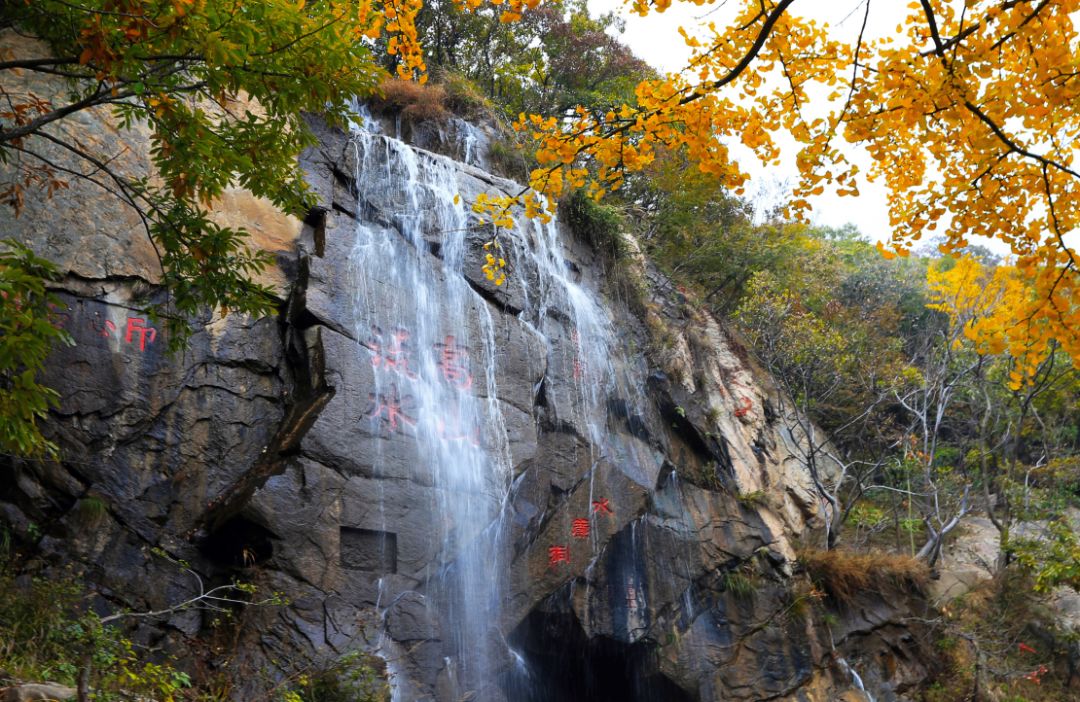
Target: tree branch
{"x": 38, "y": 62}
{"x": 747, "y": 59}
{"x": 100, "y": 95}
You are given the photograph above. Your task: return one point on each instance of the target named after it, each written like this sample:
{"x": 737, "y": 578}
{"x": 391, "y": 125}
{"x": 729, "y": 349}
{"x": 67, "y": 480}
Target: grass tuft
{"x": 90, "y": 510}
{"x": 413, "y": 100}
{"x": 740, "y": 585}
{"x": 844, "y": 574}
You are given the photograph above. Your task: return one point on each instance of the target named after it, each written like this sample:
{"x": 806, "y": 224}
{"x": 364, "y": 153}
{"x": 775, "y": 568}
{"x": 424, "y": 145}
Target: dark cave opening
{"x": 238, "y": 543}
{"x": 561, "y": 664}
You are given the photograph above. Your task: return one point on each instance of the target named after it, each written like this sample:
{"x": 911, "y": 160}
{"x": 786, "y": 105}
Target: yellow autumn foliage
{"x": 988, "y": 305}
{"x": 969, "y": 114}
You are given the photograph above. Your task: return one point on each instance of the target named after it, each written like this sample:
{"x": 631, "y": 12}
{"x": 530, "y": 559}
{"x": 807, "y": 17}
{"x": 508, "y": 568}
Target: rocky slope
{"x": 497, "y": 489}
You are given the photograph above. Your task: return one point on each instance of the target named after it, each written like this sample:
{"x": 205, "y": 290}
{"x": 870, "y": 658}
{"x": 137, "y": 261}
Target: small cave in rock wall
{"x": 239, "y": 543}
{"x": 559, "y": 663}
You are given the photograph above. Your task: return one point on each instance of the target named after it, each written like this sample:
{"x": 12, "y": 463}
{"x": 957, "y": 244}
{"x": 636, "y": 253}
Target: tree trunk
{"x": 82, "y": 690}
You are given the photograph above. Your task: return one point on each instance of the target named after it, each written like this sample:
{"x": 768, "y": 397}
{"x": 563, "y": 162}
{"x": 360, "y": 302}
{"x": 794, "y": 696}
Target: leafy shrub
{"x": 47, "y": 632}
{"x": 751, "y": 499}
{"x": 90, "y": 510}
{"x": 463, "y": 97}
{"x": 28, "y": 332}
{"x": 600, "y": 225}
{"x": 1000, "y": 642}
{"x": 740, "y": 585}
{"x": 509, "y": 157}
{"x": 1052, "y": 557}
{"x": 355, "y": 677}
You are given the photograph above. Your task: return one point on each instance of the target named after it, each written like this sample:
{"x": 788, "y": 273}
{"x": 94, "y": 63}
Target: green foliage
{"x": 555, "y": 58}
{"x": 48, "y": 633}
{"x": 740, "y": 585}
{"x": 598, "y": 224}
{"x": 700, "y": 234}
{"x": 355, "y": 677}
{"x": 90, "y": 510}
{"x": 464, "y": 97}
{"x": 751, "y": 499}
{"x": 867, "y": 516}
{"x": 1052, "y": 556}
{"x": 997, "y": 633}
{"x": 221, "y": 87}
{"x": 28, "y": 332}
{"x": 1044, "y": 492}
{"x": 510, "y": 157}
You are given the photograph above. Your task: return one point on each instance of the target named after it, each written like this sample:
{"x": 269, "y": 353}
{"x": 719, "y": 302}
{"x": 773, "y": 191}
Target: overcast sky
{"x": 656, "y": 40}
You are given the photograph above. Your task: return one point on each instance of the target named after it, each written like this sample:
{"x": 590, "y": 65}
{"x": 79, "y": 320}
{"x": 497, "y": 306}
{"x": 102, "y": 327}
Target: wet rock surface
{"x": 635, "y": 528}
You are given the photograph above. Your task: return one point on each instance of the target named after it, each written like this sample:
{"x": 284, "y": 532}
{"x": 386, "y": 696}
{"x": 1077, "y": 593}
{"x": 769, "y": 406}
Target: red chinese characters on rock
{"x": 747, "y": 405}
{"x": 580, "y": 368}
{"x": 137, "y": 325}
{"x": 392, "y": 351}
{"x": 136, "y": 331}
{"x": 579, "y": 528}
{"x": 454, "y": 363}
{"x": 105, "y": 330}
{"x": 388, "y": 408}
{"x": 557, "y": 555}
{"x": 601, "y": 506}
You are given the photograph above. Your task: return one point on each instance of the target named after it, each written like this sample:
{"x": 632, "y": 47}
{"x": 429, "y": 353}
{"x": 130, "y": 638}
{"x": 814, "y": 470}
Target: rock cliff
{"x": 519, "y": 492}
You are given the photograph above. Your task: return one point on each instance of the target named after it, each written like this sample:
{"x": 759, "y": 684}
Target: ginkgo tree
{"x": 968, "y": 113}
{"x": 1014, "y": 452}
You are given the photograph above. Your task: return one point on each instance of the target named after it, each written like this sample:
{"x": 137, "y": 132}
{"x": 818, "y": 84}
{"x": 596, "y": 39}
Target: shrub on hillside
{"x": 844, "y": 574}
{"x": 598, "y": 224}
{"x": 413, "y": 100}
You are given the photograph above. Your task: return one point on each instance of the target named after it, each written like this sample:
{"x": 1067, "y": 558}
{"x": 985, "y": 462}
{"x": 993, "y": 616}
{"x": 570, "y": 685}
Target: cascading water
{"x": 471, "y": 142}
{"x": 593, "y": 346}
{"x": 856, "y": 679}
{"x": 434, "y": 380}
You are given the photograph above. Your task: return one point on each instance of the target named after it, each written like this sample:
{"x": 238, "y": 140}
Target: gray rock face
{"x": 492, "y": 487}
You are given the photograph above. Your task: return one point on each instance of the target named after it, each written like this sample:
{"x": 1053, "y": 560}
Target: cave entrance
{"x": 239, "y": 543}
{"x": 559, "y": 663}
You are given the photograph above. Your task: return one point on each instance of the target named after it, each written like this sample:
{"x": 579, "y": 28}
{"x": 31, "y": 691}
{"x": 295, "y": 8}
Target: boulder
{"x": 28, "y": 692}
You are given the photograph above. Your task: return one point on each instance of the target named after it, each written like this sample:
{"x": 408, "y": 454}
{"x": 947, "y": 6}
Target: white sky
{"x": 656, "y": 40}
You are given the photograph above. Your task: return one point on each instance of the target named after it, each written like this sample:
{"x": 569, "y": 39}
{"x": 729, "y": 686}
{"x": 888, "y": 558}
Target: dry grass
{"x": 413, "y": 100}
{"x": 844, "y": 574}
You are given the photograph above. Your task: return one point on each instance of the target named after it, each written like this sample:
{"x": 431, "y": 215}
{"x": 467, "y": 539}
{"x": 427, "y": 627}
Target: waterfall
{"x": 591, "y": 337}
{"x": 433, "y": 358}
{"x": 362, "y": 119}
{"x": 471, "y": 142}
{"x": 433, "y": 388}
{"x": 856, "y": 680}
